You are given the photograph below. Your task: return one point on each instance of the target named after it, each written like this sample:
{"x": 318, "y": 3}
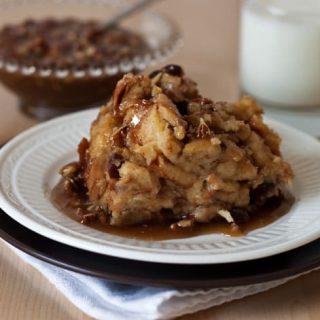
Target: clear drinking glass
{"x": 280, "y": 52}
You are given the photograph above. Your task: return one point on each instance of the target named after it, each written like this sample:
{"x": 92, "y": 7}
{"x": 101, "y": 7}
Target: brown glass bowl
{"x": 46, "y": 93}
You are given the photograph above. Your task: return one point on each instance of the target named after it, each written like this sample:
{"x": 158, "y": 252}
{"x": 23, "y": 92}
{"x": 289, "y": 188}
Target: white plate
{"x": 28, "y": 171}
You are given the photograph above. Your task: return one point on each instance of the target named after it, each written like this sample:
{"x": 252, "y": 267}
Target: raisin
{"x": 240, "y": 215}
{"x": 183, "y": 107}
{"x": 174, "y": 70}
{"x": 113, "y": 171}
{"x": 259, "y": 195}
{"x": 114, "y": 164}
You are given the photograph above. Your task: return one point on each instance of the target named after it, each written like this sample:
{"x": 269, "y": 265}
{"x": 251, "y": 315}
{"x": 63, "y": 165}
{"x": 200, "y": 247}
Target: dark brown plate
{"x": 157, "y": 274}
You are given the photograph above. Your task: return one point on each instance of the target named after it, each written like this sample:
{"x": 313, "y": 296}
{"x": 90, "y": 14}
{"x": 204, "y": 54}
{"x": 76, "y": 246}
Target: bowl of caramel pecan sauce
{"x": 57, "y": 65}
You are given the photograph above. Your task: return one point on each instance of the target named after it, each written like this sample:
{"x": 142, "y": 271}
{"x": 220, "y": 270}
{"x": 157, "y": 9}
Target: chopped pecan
{"x": 203, "y": 130}
{"x": 88, "y": 218}
{"x": 70, "y": 170}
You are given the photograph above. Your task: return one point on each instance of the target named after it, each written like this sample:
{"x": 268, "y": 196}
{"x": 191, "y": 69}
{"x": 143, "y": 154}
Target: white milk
{"x": 280, "y": 52}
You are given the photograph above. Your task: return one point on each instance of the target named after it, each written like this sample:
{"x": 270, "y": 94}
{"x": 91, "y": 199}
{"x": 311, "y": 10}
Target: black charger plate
{"x": 126, "y": 271}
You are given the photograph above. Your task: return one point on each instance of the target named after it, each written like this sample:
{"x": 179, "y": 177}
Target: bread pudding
{"x": 161, "y": 152}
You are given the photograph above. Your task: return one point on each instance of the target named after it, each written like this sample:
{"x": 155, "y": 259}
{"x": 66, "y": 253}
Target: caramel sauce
{"x": 156, "y": 232}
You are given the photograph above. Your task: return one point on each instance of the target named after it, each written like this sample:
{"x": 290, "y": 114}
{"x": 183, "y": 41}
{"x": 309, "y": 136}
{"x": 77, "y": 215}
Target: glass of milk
{"x": 280, "y": 52}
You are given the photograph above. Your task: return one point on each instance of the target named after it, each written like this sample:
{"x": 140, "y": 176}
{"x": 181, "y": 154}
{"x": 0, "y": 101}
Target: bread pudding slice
{"x": 159, "y": 151}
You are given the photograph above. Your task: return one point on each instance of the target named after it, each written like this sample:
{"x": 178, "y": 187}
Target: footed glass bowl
{"x": 46, "y": 92}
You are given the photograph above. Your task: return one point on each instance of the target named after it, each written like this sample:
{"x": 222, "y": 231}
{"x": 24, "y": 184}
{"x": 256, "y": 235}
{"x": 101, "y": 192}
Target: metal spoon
{"x": 127, "y": 11}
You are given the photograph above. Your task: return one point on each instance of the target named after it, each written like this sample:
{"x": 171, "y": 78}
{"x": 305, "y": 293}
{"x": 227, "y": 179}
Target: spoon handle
{"x": 131, "y": 9}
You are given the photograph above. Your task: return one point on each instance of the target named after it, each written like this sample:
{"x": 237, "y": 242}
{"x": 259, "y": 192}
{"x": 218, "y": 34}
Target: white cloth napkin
{"x": 105, "y": 300}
